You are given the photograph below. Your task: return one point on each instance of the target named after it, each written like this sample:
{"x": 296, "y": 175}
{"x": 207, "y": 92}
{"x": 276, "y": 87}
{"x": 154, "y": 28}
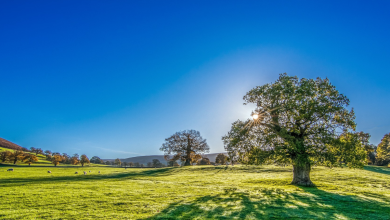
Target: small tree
{"x": 96, "y": 160}
{"x": 185, "y": 145}
{"x": 5, "y": 156}
{"x": 66, "y": 158}
{"x": 221, "y": 159}
{"x": 74, "y": 160}
{"x": 117, "y": 162}
{"x": 16, "y": 156}
{"x": 131, "y": 164}
{"x": 84, "y": 160}
{"x": 48, "y": 152}
{"x": 204, "y": 161}
{"x": 149, "y": 164}
{"x": 156, "y": 163}
{"x": 56, "y": 159}
{"x": 29, "y": 158}
{"x": 124, "y": 164}
{"x": 383, "y": 151}
{"x": 136, "y": 164}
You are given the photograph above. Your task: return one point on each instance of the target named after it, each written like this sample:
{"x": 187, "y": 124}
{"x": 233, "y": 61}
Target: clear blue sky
{"x": 115, "y": 78}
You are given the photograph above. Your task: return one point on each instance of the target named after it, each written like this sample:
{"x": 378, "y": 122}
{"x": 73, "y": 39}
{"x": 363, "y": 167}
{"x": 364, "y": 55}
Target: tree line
{"x": 27, "y": 156}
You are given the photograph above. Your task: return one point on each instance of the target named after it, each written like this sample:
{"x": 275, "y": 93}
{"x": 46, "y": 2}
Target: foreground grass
{"x": 201, "y": 192}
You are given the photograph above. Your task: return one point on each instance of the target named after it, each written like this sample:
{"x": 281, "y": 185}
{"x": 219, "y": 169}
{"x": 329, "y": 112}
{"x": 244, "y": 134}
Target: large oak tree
{"x": 185, "y": 145}
{"x": 298, "y": 122}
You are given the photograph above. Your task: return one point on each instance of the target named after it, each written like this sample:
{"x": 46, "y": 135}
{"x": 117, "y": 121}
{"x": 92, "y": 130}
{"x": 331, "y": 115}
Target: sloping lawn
{"x": 199, "y": 192}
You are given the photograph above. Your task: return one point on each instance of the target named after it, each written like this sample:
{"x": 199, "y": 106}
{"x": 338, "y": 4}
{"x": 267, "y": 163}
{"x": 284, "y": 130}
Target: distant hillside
{"x": 146, "y": 159}
{"x": 8, "y": 144}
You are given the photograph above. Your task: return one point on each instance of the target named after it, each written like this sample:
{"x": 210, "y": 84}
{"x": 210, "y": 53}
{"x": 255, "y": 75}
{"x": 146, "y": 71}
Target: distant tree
{"x": 5, "y": 156}
{"x": 113, "y": 162}
{"x": 170, "y": 163}
{"x": 221, "y": 159}
{"x": 185, "y": 145}
{"x": 124, "y": 164}
{"x": 108, "y": 162}
{"x": 117, "y": 162}
{"x": 142, "y": 165}
{"x": 84, "y": 160}
{"x": 131, "y": 164}
{"x": 96, "y": 160}
{"x": 383, "y": 151}
{"x": 66, "y": 158}
{"x": 136, "y": 164}
{"x": 29, "y": 158}
{"x": 39, "y": 151}
{"x": 204, "y": 161}
{"x": 149, "y": 164}
{"x": 74, "y": 160}
{"x": 48, "y": 152}
{"x": 48, "y": 157}
{"x": 156, "y": 163}
{"x": 55, "y": 153}
{"x": 56, "y": 159}
{"x": 36, "y": 150}
{"x": 295, "y": 122}
{"x": 25, "y": 149}
{"x": 16, "y": 156}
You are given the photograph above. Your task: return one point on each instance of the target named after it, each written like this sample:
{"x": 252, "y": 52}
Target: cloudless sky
{"x": 115, "y": 78}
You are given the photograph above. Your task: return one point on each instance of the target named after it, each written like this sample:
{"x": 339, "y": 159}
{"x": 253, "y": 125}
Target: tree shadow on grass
{"x": 49, "y": 178}
{"x": 377, "y": 169}
{"x": 306, "y": 203}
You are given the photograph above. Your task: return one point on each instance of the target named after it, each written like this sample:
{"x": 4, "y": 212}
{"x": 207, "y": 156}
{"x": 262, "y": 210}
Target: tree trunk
{"x": 301, "y": 175}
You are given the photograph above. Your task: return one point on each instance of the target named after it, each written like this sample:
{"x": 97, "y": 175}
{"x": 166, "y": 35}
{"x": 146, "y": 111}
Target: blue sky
{"x": 115, "y": 78}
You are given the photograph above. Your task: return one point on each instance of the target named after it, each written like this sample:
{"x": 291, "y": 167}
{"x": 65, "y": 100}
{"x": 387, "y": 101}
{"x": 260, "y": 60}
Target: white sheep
{"x": 49, "y": 171}
{"x": 85, "y": 173}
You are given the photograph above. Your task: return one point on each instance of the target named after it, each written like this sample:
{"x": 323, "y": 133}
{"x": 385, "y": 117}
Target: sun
{"x": 255, "y": 116}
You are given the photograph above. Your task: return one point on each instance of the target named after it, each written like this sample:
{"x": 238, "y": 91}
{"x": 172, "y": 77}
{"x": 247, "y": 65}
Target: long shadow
{"x": 377, "y": 169}
{"x": 309, "y": 203}
{"x": 5, "y": 182}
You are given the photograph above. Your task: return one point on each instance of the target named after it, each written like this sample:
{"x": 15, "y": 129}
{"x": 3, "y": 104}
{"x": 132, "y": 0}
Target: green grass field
{"x": 199, "y": 192}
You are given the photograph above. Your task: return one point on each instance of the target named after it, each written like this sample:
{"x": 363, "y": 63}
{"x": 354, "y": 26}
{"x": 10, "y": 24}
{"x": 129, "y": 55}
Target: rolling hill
{"x": 146, "y": 159}
{"x": 8, "y": 144}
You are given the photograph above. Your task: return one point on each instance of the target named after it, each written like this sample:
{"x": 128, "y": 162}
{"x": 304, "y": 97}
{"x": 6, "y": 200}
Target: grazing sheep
{"x": 99, "y": 171}
{"x": 89, "y": 171}
{"x": 49, "y": 171}
{"x": 76, "y": 173}
{"x": 10, "y": 170}
{"x": 85, "y": 173}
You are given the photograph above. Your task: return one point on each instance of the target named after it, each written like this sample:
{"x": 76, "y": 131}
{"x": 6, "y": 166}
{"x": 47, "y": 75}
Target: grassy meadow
{"x": 199, "y": 192}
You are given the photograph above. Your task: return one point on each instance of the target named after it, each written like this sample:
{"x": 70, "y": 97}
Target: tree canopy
{"x": 84, "y": 160}
{"x": 29, "y": 159}
{"x": 220, "y": 159}
{"x": 298, "y": 122}
{"x": 185, "y": 145}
